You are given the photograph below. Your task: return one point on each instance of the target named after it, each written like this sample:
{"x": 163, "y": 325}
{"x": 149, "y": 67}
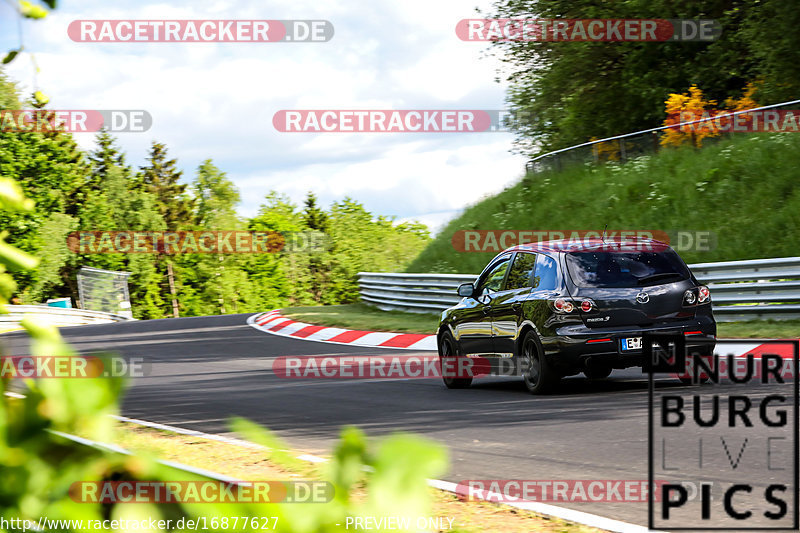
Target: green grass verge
{"x": 766, "y": 329}
{"x": 364, "y": 317}
{"x": 744, "y": 190}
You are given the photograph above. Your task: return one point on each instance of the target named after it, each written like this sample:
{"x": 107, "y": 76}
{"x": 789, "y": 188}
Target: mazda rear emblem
{"x": 642, "y": 298}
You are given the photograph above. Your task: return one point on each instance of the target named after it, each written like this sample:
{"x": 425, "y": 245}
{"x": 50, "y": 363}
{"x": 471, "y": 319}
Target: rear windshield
{"x": 625, "y": 269}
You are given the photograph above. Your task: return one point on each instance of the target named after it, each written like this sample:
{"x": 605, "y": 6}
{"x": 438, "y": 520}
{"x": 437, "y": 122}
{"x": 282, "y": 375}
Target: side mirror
{"x": 466, "y": 290}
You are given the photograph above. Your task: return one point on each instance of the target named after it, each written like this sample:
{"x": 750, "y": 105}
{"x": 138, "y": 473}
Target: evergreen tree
{"x": 314, "y": 217}
{"x": 105, "y": 156}
{"x": 161, "y": 179}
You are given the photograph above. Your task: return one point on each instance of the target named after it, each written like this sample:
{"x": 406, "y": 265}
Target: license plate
{"x": 631, "y": 343}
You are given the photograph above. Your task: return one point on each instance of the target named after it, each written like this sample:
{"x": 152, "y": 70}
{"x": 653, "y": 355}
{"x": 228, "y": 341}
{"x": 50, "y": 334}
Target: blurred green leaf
{"x": 349, "y": 458}
{"x": 278, "y": 451}
{"x": 402, "y": 467}
{"x": 12, "y": 197}
{"x": 11, "y": 55}
{"x": 31, "y": 10}
{"x": 41, "y": 98}
{"x": 15, "y": 259}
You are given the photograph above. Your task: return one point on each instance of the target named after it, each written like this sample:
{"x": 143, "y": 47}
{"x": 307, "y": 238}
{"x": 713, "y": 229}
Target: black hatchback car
{"x": 559, "y": 308}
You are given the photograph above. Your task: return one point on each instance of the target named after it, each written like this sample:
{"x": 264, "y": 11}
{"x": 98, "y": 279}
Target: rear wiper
{"x": 662, "y": 275}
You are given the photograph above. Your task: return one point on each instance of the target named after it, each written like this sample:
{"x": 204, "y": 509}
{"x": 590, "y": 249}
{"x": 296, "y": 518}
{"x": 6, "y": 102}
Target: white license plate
{"x": 632, "y": 343}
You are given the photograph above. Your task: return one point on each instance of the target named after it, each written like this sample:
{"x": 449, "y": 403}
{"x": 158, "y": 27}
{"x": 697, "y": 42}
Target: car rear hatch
{"x": 629, "y": 288}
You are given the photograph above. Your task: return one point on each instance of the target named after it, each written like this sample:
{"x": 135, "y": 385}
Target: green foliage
{"x": 744, "y": 190}
{"x": 773, "y": 42}
{"x": 38, "y": 465}
{"x": 51, "y": 246}
{"x": 364, "y": 244}
{"x": 31, "y": 10}
{"x": 73, "y": 190}
{"x": 217, "y": 198}
{"x": 565, "y": 93}
{"x": 364, "y": 317}
{"x": 313, "y": 216}
{"x": 160, "y": 178}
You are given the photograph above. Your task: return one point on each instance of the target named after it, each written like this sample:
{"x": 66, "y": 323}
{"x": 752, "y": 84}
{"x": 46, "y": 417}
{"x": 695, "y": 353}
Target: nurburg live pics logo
{"x": 733, "y": 432}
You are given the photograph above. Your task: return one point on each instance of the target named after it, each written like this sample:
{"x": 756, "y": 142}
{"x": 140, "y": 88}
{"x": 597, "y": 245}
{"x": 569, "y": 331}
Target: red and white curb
{"x": 275, "y": 323}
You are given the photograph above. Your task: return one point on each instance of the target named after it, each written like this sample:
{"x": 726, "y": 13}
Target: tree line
{"x": 77, "y": 190}
{"x": 566, "y": 93}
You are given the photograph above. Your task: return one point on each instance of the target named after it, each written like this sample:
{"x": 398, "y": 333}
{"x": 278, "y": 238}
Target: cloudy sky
{"x": 217, "y": 100}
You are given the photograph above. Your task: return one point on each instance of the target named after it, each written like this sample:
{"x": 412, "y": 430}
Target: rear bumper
{"x": 576, "y": 347}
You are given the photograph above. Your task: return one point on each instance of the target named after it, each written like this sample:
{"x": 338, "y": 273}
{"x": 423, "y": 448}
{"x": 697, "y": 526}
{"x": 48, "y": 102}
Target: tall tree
{"x": 565, "y": 93}
{"x": 160, "y": 177}
{"x": 49, "y": 168}
{"x": 771, "y": 32}
{"x": 118, "y": 205}
{"x": 214, "y": 283}
{"x": 216, "y": 197}
{"x": 314, "y": 217}
{"x": 106, "y": 155}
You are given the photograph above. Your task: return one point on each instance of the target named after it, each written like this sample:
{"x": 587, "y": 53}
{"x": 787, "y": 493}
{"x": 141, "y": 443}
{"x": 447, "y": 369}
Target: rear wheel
{"x": 447, "y": 348}
{"x": 539, "y": 377}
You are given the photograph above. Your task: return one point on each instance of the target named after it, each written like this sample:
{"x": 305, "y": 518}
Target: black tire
{"x": 447, "y": 348}
{"x": 597, "y": 372}
{"x": 539, "y": 377}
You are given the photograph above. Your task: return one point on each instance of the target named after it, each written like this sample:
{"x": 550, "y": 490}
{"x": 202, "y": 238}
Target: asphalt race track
{"x": 205, "y": 370}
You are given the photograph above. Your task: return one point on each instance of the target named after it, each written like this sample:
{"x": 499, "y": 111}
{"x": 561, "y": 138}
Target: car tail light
{"x": 703, "y": 294}
{"x": 689, "y": 297}
{"x": 697, "y": 296}
{"x": 586, "y": 306}
{"x": 563, "y": 306}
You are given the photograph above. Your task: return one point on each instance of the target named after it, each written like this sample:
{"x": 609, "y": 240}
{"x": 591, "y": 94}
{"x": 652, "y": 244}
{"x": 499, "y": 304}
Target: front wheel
{"x": 539, "y": 377}
{"x": 447, "y": 348}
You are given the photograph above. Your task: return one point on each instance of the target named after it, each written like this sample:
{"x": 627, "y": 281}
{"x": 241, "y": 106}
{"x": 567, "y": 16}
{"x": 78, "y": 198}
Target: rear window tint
{"x": 625, "y": 269}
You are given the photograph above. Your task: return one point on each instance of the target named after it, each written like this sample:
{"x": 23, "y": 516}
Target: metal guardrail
{"x": 740, "y": 290}
{"x": 421, "y": 293}
{"x": 755, "y": 289}
{"x": 57, "y": 316}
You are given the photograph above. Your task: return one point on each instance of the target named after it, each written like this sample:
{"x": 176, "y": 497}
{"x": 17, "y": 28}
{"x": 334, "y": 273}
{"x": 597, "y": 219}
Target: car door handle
{"x": 516, "y": 306}
{"x": 487, "y": 309}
